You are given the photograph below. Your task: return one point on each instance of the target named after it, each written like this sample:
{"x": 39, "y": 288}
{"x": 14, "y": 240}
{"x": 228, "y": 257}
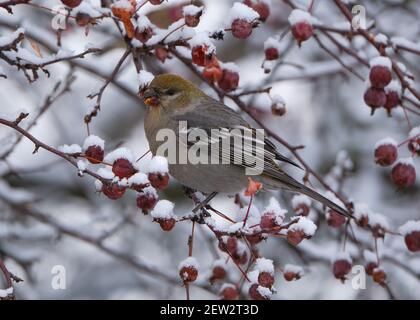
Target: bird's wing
{"x": 232, "y": 126}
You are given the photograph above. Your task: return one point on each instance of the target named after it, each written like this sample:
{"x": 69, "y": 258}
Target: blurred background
{"x": 325, "y": 113}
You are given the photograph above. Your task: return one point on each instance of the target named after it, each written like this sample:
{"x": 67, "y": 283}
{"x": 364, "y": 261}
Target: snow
{"x": 227, "y": 285}
{"x": 144, "y": 77}
{"x": 230, "y": 66}
{"x": 414, "y": 132}
{"x": 143, "y": 23}
{"x": 14, "y": 195}
{"x": 82, "y": 165}
{"x": 293, "y": 268}
{"x": 370, "y": 256}
{"x": 380, "y": 61}
{"x": 122, "y": 4}
{"x": 106, "y": 173}
{"x": 87, "y": 8}
{"x": 9, "y": 38}
{"x": 386, "y": 141}
{"x": 138, "y": 178}
{"x": 219, "y": 263}
{"x": 394, "y": 86}
{"x": 273, "y": 42}
{"x": 93, "y": 140}
{"x": 343, "y": 255}
{"x": 344, "y": 161}
{"x": 149, "y": 191}
{"x": 403, "y": 42}
{"x": 120, "y": 153}
{"x": 164, "y": 209}
{"x": 405, "y": 161}
{"x": 381, "y": 38}
{"x": 298, "y": 15}
{"x": 361, "y": 210}
{"x": 191, "y": 10}
{"x": 189, "y": 262}
{"x": 241, "y": 11}
{"x": 306, "y": 225}
{"x": 274, "y": 207}
{"x": 70, "y": 149}
{"x": 6, "y": 292}
{"x": 331, "y": 196}
{"x": 301, "y": 199}
{"x": 202, "y": 39}
{"x": 264, "y": 265}
{"x": 409, "y": 227}
{"x": 265, "y": 292}
{"x": 158, "y": 164}
{"x": 378, "y": 220}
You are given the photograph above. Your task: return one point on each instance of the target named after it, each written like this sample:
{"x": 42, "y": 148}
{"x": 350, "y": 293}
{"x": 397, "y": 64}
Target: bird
{"x": 171, "y": 100}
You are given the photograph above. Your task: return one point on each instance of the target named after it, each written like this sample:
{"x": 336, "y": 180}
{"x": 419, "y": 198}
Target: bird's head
{"x": 171, "y": 92}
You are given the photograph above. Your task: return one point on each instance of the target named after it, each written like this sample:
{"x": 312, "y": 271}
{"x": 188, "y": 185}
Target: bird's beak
{"x": 150, "y": 98}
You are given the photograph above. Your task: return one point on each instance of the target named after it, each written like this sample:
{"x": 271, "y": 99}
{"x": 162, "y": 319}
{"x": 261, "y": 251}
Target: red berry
{"x": 341, "y": 268}
{"x": 412, "y": 240}
{"x": 403, "y": 174}
{"x": 370, "y": 267}
{"x": 301, "y": 209}
{"x": 201, "y": 55}
{"x": 386, "y": 154}
{"x": 71, "y": 3}
{"x": 123, "y": 168}
{"x": 159, "y": 180}
{"x": 414, "y": 145}
{"x": 161, "y": 53}
{"x": 143, "y": 35}
{"x": 271, "y": 54}
{"x": 290, "y": 276}
{"x": 334, "y": 219}
{"x": 302, "y": 31}
{"x": 241, "y": 28}
{"x": 155, "y": 2}
{"x": 268, "y": 221}
{"x": 166, "y": 224}
{"x": 188, "y": 273}
{"x": 240, "y": 257}
{"x": 375, "y": 98}
{"x": 192, "y": 20}
{"x": 146, "y": 201}
{"x": 229, "y": 80}
{"x": 294, "y": 237}
{"x": 260, "y": 7}
{"x": 254, "y": 294}
{"x": 83, "y": 19}
{"x": 254, "y": 238}
{"x": 379, "y": 276}
{"x": 232, "y": 244}
{"x": 392, "y": 101}
{"x": 94, "y": 154}
{"x": 218, "y": 273}
{"x": 229, "y": 293}
{"x": 113, "y": 191}
{"x": 380, "y": 76}
{"x": 265, "y": 279}
{"x": 212, "y": 72}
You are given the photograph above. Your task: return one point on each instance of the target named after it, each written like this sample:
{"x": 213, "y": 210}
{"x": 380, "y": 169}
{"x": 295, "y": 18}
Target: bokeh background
{"x": 325, "y": 112}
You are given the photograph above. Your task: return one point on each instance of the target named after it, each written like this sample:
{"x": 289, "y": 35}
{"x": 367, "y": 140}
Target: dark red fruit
{"x": 94, "y": 154}
{"x": 83, "y": 19}
{"x": 241, "y": 28}
{"x": 161, "y": 53}
{"x": 229, "y": 80}
{"x": 341, "y": 268}
{"x": 143, "y": 35}
{"x": 412, "y": 241}
{"x": 392, "y": 101}
{"x": 218, "y": 273}
{"x": 229, "y": 293}
{"x": 302, "y": 31}
{"x": 254, "y": 238}
{"x": 301, "y": 209}
{"x": 166, "y": 224}
{"x": 271, "y": 54}
{"x": 290, "y": 276}
{"x": 334, "y": 219}
{"x": 370, "y": 267}
{"x": 414, "y": 145}
{"x": 294, "y": 237}
{"x": 260, "y": 7}
{"x": 386, "y": 154}
{"x": 240, "y": 257}
{"x": 146, "y": 201}
{"x": 123, "y": 168}
{"x": 201, "y": 56}
{"x": 113, "y": 191}
{"x": 379, "y": 276}
{"x": 188, "y": 273}
{"x": 265, "y": 279}
{"x": 278, "y": 109}
{"x": 159, "y": 180}
{"x": 375, "y": 98}
{"x": 380, "y": 76}
{"x": 254, "y": 294}
{"x": 155, "y": 2}
{"x": 71, "y": 3}
{"x": 403, "y": 175}
{"x": 268, "y": 221}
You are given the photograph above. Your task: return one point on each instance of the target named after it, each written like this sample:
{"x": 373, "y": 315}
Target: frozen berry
{"x": 166, "y": 224}
{"x": 254, "y": 292}
{"x": 260, "y": 7}
{"x": 370, "y": 267}
{"x": 229, "y": 80}
{"x": 94, "y": 154}
{"x": 254, "y": 238}
{"x": 146, "y": 201}
{"x": 123, "y": 168}
{"x": 403, "y": 174}
{"x": 334, "y": 219}
{"x": 375, "y": 98}
{"x": 71, "y": 3}
{"x": 265, "y": 279}
{"x": 392, "y": 101}
{"x": 83, "y": 19}
{"x": 412, "y": 240}
{"x": 155, "y": 2}
{"x": 241, "y": 28}
{"x": 161, "y": 53}
{"x": 202, "y": 55}
{"x": 380, "y": 76}
{"x": 268, "y": 221}
{"x": 229, "y": 292}
{"x": 188, "y": 273}
{"x": 302, "y": 31}
{"x": 294, "y": 237}
{"x": 159, "y": 180}
{"x": 212, "y": 72}
{"x": 218, "y": 273}
{"x": 113, "y": 191}
{"x": 414, "y": 142}
{"x": 341, "y": 268}
{"x": 379, "y": 276}
{"x": 192, "y": 16}
{"x": 271, "y": 54}
{"x": 143, "y": 35}
{"x": 240, "y": 256}
{"x": 290, "y": 276}
{"x": 386, "y": 153}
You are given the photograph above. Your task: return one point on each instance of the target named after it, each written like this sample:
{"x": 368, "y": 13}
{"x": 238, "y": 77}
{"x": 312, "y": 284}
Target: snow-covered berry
{"x": 188, "y": 269}
{"x": 375, "y": 98}
{"x": 265, "y": 270}
{"x": 301, "y": 204}
{"x": 155, "y": 2}
{"x": 93, "y": 148}
{"x": 163, "y": 213}
{"x": 228, "y": 292}
{"x": 380, "y": 72}
{"x": 123, "y": 168}
{"x": 278, "y": 106}
{"x": 241, "y": 20}
{"x": 386, "y": 152}
{"x": 393, "y": 95}
{"x": 411, "y": 232}
{"x": 334, "y": 219}
{"x": 379, "y": 276}
{"x": 241, "y": 28}
{"x": 229, "y": 80}
{"x": 300, "y": 22}
{"x": 213, "y": 72}
{"x": 403, "y": 173}
{"x": 414, "y": 140}
{"x": 71, "y": 3}
{"x": 257, "y": 292}
{"x": 147, "y": 199}
{"x": 143, "y": 35}
{"x": 158, "y": 172}
{"x": 83, "y": 19}
{"x": 265, "y": 279}
{"x": 262, "y": 7}
{"x": 192, "y": 15}
{"x": 218, "y": 271}
{"x": 113, "y": 190}
{"x": 303, "y": 229}
{"x": 342, "y": 266}
{"x": 161, "y": 53}
{"x": 292, "y": 272}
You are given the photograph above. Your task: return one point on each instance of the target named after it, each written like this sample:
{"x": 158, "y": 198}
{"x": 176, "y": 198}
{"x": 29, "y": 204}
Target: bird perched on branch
{"x": 172, "y": 101}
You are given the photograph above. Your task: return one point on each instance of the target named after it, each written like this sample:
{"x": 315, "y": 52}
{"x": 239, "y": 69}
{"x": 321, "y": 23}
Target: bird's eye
{"x": 170, "y": 92}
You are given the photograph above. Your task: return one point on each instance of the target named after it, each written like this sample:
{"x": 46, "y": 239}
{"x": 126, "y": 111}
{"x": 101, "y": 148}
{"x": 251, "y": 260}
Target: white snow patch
{"x": 189, "y": 262}
{"x": 93, "y": 140}
{"x": 409, "y": 227}
{"x": 241, "y": 11}
{"x": 380, "y": 61}
{"x": 120, "y": 153}
{"x": 158, "y": 164}
{"x": 164, "y": 209}
{"x": 306, "y": 225}
{"x": 298, "y": 15}
{"x": 385, "y": 142}
{"x": 70, "y": 149}
{"x": 264, "y": 265}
